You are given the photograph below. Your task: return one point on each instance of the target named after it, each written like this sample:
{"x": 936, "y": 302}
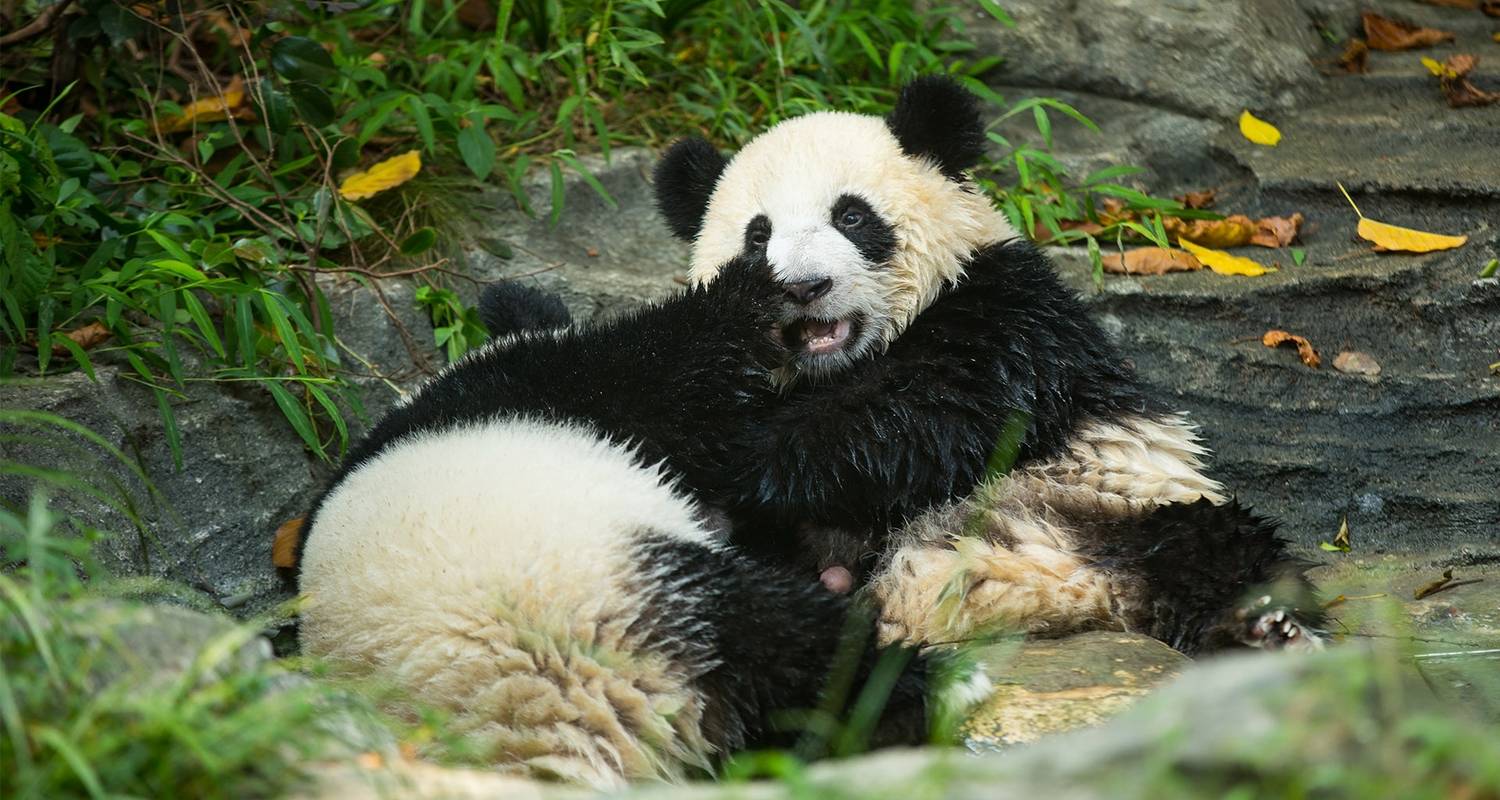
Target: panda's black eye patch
{"x": 872, "y": 236}
{"x": 758, "y": 233}
{"x": 851, "y": 218}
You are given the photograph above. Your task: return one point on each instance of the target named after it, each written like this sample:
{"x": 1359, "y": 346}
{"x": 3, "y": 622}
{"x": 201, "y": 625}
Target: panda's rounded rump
{"x": 487, "y": 570}
{"x": 521, "y": 505}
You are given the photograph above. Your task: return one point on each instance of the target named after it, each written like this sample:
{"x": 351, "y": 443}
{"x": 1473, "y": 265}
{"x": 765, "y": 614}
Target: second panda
{"x": 921, "y": 327}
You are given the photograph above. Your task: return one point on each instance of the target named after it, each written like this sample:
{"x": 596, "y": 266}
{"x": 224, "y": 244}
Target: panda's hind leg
{"x": 1001, "y": 561}
{"x": 773, "y": 640}
{"x": 1204, "y": 577}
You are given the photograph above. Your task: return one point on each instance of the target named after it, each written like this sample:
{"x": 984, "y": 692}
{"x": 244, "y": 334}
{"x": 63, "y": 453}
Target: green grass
{"x": 84, "y": 714}
{"x": 199, "y": 247}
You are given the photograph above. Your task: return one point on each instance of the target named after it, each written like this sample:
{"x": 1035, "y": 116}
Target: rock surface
{"x": 1332, "y": 724}
{"x": 1049, "y": 686}
{"x": 1201, "y": 58}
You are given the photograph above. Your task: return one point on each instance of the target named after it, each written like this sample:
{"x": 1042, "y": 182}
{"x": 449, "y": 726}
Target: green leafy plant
{"x": 455, "y": 327}
{"x": 175, "y": 212}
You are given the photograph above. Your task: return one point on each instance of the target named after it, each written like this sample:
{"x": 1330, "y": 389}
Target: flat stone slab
{"x": 1388, "y": 129}
{"x": 1047, "y": 686}
{"x": 1452, "y": 636}
{"x": 601, "y": 258}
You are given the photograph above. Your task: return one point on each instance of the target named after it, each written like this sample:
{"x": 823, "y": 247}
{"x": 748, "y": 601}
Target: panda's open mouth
{"x": 820, "y": 337}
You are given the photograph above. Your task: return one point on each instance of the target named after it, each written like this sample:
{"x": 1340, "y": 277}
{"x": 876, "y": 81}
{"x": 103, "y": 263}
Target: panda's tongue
{"x": 824, "y": 337}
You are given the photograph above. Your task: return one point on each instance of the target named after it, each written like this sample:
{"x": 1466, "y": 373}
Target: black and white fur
{"x": 920, "y": 323}
{"x": 513, "y": 545}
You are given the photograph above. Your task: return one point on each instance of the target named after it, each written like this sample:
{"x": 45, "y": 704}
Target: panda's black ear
{"x": 684, "y": 180}
{"x": 937, "y": 118}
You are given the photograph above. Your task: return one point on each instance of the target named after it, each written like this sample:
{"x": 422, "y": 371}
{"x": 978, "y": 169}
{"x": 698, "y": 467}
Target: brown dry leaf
{"x": 1435, "y": 586}
{"x": 1492, "y": 8}
{"x": 1233, "y": 231}
{"x": 1384, "y": 33}
{"x": 1305, "y": 351}
{"x": 1151, "y": 261}
{"x": 1453, "y": 3}
{"x": 1202, "y": 199}
{"x": 370, "y": 760}
{"x": 1342, "y": 543}
{"x": 1460, "y": 64}
{"x": 1044, "y": 234}
{"x": 284, "y": 547}
{"x": 1457, "y": 90}
{"x": 1356, "y": 363}
{"x": 1276, "y": 231}
{"x": 86, "y": 336}
{"x": 209, "y": 109}
{"x": 1356, "y": 57}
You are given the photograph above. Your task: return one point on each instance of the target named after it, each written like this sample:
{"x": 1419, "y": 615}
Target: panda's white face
{"x": 863, "y": 235}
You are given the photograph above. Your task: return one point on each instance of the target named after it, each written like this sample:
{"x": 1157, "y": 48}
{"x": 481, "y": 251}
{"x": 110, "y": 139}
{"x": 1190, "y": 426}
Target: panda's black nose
{"x": 804, "y": 292}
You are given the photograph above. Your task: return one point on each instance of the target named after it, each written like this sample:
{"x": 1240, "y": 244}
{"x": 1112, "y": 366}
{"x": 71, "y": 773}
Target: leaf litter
{"x": 1387, "y": 237}
{"x": 1454, "y": 82}
{"x": 1384, "y": 33}
{"x": 1275, "y": 338}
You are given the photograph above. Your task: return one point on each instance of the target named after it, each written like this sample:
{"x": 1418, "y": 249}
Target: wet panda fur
{"x": 920, "y": 325}
{"x": 514, "y": 545}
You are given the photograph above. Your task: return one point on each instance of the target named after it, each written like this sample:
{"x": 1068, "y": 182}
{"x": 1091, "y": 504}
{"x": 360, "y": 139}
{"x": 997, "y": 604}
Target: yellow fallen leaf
{"x": 1258, "y": 130}
{"x": 387, "y": 174}
{"x": 1433, "y": 66}
{"x": 1406, "y": 240}
{"x": 209, "y": 109}
{"x": 1222, "y": 262}
{"x": 1391, "y": 237}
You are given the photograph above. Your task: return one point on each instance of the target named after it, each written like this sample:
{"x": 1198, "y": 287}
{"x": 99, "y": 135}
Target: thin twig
{"x": 436, "y": 266}
{"x": 37, "y": 26}
{"x": 418, "y": 357}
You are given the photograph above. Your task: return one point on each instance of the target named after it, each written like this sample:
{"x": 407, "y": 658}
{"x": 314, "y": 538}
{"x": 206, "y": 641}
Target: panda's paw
{"x": 910, "y": 592}
{"x": 1271, "y": 626}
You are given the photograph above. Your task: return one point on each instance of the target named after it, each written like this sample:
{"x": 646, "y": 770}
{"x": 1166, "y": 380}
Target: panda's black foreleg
{"x": 508, "y": 307}
{"x": 1207, "y": 577}
{"x": 775, "y": 648}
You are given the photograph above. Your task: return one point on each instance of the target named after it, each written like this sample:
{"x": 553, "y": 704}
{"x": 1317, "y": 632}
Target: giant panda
{"x": 513, "y": 545}
{"x": 921, "y": 329}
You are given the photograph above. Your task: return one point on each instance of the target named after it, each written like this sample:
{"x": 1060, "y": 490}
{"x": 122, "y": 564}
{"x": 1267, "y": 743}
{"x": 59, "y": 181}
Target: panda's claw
{"x": 1278, "y": 630}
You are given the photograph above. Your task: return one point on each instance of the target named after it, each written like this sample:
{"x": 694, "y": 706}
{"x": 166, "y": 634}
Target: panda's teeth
{"x": 824, "y": 337}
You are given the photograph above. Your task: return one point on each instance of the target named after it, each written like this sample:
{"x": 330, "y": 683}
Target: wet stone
{"x": 1047, "y": 686}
